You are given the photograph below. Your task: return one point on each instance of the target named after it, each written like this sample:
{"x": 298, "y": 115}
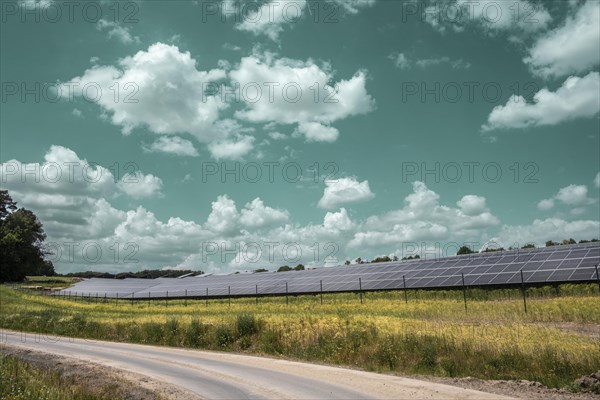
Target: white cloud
{"x": 344, "y": 191}
{"x": 225, "y": 219}
{"x": 576, "y": 98}
{"x": 36, "y": 4}
{"x": 160, "y": 89}
{"x": 338, "y": 221}
{"x": 403, "y": 62}
{"x": 572, "y": 195}
{"x": 472, "y": 205}
{"x": 489, "y": 15}
{"x": 354, "y": 6}
{"x": 138, "y": 185}
{"x": 172, "y": 145}
{"x": 546, "y": 204}
{"x": 271, "y": 17}
{"x": 118, "y": 31}
{"x": 277, "y": 136}
{"x": 424, "y": 219}
{"x": 597, "y": 180}
{"x": 455, "y": 64}
{"x": 571, "y": 48}
{"x": 541, "y": 231}
{"x": 77, "y": 112}
{"x": 256, "y": 215}
{"x": 294, "y": 98}
{"x": 316, "y": 132}
{"x": 232, "y": 149}
{"x": 400, "y": 60}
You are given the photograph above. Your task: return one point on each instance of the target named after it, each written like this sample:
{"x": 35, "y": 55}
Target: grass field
{"x": 557, "y": 341}
{"x": 20, "y": 380}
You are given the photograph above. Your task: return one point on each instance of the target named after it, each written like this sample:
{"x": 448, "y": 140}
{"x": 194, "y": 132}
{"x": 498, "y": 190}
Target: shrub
{"x": 247, "y": 324}
{"x": 223, "y": 336}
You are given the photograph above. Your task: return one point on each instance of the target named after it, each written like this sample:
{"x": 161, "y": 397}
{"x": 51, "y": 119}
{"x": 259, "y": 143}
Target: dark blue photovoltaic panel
{"x": 557, "y": 264}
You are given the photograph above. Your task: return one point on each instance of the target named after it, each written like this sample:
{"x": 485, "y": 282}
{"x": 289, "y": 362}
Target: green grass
{"x": 431, "y": 334}
{"x": 20, "y": 380}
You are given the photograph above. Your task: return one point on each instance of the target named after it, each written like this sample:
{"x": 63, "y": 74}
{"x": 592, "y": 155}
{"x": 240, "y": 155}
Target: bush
{"x": 196, "y": 334}
{"x": 223, "y": 336}
{"x": 247, "y": 324}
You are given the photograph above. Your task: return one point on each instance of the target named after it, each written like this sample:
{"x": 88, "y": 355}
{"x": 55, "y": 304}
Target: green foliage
{"x": 224, "y": 336}
{"x": 431, "y": 334}
{"x": 464, "y": 250}
{"x": 20, "y": 380}
{"x": 247, "y": 324}
{"x": 284, "y": 268}
{"x": 21, "y": 242}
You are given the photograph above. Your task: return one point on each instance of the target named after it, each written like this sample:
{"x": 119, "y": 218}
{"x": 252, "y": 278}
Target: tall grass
{"x": 20, "y": 380}
{"x": 431, "y": 334}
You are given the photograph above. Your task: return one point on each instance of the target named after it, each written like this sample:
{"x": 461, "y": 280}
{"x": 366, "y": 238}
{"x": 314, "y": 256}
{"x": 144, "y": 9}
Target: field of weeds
{"x": 555, "y": 342}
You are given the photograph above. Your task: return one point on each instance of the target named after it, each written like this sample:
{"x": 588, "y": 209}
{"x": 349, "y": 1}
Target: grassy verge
{"x": 431, "y": 334}
{"x": 20, "y": 380}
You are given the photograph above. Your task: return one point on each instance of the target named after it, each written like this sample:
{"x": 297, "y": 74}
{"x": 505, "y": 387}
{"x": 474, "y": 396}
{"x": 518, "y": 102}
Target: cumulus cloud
{"x": 172, "y": 145}
{"x": 233, "y": 148}
{"x": 339, "y": 221}
{"x": 546, "y": 204}
{"x": 576, "y": 98}
{"x": 74, "y": 207}
{"x": 225, "y": 218}
{"x": 160, "y": 89}
{"x": 345, "y": 191}
{"x": 316, "y": 132}
{"x": 299, "y": 92}
{"x": 572, "y": 195}
{"x": 423, "y": 218}
{"x": 256, "y": 215}
{"x": 118, "y": 31}
{"x": 574, "y": 47}
{"x": 540, "y": 231}
{"x": 597, "y": 180}
{"x": 139, "y": 186}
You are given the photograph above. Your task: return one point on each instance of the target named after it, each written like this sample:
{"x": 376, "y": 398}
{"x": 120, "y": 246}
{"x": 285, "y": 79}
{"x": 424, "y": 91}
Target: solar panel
{"x": 557, "y": 264}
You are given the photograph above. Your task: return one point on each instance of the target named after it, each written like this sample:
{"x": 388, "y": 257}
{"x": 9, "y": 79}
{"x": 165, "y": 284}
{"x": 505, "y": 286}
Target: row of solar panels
{"x": 557, "y": 264}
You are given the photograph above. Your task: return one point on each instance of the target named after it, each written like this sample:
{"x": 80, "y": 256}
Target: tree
{"x": 284, "y": 268}
{"x": 551, "y": 243}
{"x": 529, "y": 246}
{"x": 464, "y": 250}
{"x": 347, "y": 262}
{"x": 415, "y": 257}
{"x": 492, "y": 249}
{"x": 381, "y": 259}
{"x": 261, "y": 270}
{"x": 299, "y": 267}
{"x": 21, "y": 242}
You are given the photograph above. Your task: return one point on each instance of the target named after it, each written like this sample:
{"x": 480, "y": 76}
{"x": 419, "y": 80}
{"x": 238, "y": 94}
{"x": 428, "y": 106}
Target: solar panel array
{"x": 556, "y": 264}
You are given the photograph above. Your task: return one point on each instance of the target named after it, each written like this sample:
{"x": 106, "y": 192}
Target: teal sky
{"x": 403, "y": 72}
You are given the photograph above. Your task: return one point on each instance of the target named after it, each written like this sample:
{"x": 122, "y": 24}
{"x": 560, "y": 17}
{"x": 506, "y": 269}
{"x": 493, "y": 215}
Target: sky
{"x": 229, "y": 136}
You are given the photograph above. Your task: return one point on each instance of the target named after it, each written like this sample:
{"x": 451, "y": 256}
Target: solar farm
{"x": 537, "y": 266}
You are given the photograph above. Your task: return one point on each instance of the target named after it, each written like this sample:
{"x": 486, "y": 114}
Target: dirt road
{"x": 213, "y": 375}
